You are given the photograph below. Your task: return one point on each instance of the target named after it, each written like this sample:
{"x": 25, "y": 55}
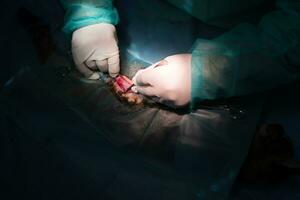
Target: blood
{"x": 122, "y": 84}
{"x": 122, "y": 87}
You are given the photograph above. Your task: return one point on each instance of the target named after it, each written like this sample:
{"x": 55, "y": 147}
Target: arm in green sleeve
{"x": 249, "y": 58}
{"x": 80, "y": 13}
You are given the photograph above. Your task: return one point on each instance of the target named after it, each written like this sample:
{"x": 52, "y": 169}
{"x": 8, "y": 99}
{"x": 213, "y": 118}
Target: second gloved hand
{"x": 168, "y": 81}
{"x": 95, "y": 47}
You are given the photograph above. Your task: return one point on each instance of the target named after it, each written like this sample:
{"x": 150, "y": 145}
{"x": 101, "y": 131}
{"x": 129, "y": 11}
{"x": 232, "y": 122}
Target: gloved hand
{"x": 95, "y": 47}
{"x": 168, "y": 81}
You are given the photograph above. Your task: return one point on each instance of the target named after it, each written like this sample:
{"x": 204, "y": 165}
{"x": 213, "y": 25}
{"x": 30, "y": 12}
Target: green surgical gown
{"x": 80, "y": 13}
{"x": 249, "y": 58}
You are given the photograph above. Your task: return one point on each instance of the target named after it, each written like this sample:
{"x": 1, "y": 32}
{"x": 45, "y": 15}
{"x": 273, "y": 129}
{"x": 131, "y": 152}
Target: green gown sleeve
{"x": 80, "y": 13}
{"x": 249, "y": 58}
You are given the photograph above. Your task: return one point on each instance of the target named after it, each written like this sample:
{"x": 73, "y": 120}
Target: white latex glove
{"x": 95, "y": 47}
{"x": 168, "y": 81}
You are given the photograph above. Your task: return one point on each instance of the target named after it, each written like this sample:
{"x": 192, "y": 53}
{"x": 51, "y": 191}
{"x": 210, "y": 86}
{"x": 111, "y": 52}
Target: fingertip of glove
{"x": 134, "y": 80}
{"x": 94, "y": 76}
{"x": 113, "y": 75}
{"x": 134, "y": 89}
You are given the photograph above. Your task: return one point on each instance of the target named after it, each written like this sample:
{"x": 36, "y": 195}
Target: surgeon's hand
{"x": 95, "y": 47}
{"x": 168, "y": 81}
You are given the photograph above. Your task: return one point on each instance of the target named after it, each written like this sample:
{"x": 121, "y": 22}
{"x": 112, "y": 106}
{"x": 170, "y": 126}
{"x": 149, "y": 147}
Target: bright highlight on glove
{"x": 94, "y": 48}
{"x": 168, "y": 81}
